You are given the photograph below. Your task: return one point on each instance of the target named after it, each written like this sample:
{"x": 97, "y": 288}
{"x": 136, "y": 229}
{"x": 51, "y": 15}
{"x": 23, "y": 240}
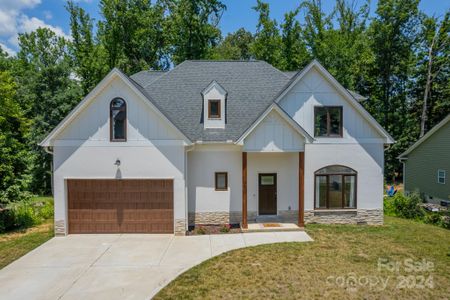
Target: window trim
{"x": 327, "y": 175}
{"x": 216, "y": 175}
{"x": 214, "y": 117}
{"x": 111, "y": 136}
{"x": 341, "y": 127}
{"x": 439, "y": 177}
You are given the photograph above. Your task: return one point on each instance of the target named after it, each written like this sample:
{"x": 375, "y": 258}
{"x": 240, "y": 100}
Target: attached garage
{"x": 120, "y": 205}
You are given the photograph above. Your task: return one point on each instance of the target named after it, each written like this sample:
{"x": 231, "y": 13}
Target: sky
{"x": 18, "y": 16}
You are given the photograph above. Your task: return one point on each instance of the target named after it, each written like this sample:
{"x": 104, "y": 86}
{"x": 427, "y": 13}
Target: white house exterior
{"x": 215, "y": 142}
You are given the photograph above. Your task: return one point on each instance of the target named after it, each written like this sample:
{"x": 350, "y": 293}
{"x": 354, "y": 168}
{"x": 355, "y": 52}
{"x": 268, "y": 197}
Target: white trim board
{"x": 115, "y": 73}
{"x": 344, "y": 92}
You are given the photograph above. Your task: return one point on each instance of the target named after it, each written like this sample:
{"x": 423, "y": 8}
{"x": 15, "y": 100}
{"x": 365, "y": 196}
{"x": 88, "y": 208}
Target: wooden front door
{"x": 267, "y": 194}
{"x": 120, "y": 206}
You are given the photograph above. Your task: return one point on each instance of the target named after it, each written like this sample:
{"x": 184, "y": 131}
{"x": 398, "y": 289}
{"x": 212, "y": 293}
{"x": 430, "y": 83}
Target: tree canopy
{"x": 399, "y": 58}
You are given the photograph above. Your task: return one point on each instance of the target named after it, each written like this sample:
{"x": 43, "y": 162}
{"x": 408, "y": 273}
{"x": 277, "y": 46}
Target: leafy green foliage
{"x": 48, "y": 91}
{"x": 385, "y": 57}
{"x": 192, "y": 28}
{"x": 14, "y": 153}
{"x": 235, "y": 46}
{"x": 267, "y": 44}
{"x": 25, "y": 213}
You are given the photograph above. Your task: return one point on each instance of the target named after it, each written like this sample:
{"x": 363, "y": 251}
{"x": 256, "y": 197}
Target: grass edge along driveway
{"x": 402, "y": 259}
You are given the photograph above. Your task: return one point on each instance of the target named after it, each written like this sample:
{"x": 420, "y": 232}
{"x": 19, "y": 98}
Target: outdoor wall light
{"x": 117, "y": 163}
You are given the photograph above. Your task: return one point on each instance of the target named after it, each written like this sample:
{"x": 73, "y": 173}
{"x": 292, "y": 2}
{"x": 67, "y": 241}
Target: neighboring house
{"x": 213, "y": 142}
{"x": 426, "y": 164}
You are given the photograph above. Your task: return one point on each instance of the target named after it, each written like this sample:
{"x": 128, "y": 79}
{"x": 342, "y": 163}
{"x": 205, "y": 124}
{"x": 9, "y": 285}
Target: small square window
{"x": 221, "y": 181}
{"x": 214, "y": 109}
{"x": 442, "y": 174}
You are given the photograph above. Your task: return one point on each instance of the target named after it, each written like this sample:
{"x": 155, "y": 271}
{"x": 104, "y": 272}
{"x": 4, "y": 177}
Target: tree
{"x": 434, "y": 61}
{"x": 393, "y": 34}
{"x": 132, "y": 34}
{"x": 89, "y": 57}
{"x": 48, "y": 91}
{"x": 344, "y": 50}
{"x": 267, "y": 43}
{"x": 294, "y": 53}
{"x": 193, "y": 28}
{"x": 236, "y": 45}
{"x": 14, "y": 154}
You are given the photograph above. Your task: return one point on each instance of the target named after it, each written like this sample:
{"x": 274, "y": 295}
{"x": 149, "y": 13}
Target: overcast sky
{"x": 18, "y": 16}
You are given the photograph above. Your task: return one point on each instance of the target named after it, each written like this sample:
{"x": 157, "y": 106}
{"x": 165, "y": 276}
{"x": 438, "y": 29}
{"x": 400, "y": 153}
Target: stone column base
{"x": 180, "y": 227}
{"x": 60, "y": 228}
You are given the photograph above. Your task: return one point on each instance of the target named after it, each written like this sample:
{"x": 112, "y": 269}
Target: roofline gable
{"x": 425, "y": 137}
{"x": 214, "y": 84}
{"x": 347, "y": 95}
{"x": 114, "y": 73}
{"x": 275, "y": 107}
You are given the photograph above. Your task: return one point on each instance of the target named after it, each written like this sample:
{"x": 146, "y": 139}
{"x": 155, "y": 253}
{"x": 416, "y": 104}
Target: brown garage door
{"x": 120, "y": 206}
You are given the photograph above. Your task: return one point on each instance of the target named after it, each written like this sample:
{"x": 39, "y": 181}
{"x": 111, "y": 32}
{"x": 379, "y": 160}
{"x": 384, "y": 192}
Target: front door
{"x": 267, "y": 194}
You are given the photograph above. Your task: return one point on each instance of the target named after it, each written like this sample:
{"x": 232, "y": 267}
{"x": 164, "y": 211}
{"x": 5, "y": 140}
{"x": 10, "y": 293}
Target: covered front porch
{"x": 272, "y": 191}
{"x": 273, "y": 172}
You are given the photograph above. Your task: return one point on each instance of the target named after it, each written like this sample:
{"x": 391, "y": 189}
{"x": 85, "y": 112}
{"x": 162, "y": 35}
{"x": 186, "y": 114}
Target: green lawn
{"x": 329, "y": 266}
{"x": 17, "y": 243}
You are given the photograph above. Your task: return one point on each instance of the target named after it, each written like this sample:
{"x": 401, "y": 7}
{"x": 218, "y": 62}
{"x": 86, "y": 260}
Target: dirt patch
{"x": 18, "y": 233}
{"x": 214, "y": 229}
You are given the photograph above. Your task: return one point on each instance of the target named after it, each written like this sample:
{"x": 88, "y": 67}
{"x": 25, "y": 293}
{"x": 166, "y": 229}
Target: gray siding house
{"x": 426, "y": 164}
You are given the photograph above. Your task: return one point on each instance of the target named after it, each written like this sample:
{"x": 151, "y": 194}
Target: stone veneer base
{"x": 60, "y": 228}
{"x": 180, "y": 227}
{"x": 358, "y": 216}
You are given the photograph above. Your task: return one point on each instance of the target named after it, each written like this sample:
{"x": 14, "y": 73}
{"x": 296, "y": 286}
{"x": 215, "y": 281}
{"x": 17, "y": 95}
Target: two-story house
{"x": 213, "y": 142}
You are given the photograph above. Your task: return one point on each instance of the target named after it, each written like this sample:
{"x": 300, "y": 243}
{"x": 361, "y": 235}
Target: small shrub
{"x": 434, "y": 218}
{"x": 407, "y": 206}
{"x": 200, "y": 230}
{"x": 6, "y": 220}
{"x": 24, "y": 215}
{"x": 225, "y": 228}
{"x": 46, "y": 211}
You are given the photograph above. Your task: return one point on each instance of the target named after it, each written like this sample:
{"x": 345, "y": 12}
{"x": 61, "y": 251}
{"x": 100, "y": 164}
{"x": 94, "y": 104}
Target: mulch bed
{"x": 214, "y": 229}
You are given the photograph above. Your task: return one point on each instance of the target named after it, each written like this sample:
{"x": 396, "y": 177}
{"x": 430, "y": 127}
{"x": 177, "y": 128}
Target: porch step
{"x": 271, "y": 227}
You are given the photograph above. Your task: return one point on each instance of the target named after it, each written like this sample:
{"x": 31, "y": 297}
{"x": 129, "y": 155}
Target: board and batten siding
{"x": 314, "y": 90}
{"x": 423, "y": 163}
{"x": 274, "y": 134}
{"x": 153, "y": 150}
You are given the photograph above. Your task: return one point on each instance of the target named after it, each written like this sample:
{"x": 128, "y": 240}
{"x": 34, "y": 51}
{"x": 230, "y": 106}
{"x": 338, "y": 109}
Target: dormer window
{"x": 214, "y": 106}
{"x": 213, "y": 109}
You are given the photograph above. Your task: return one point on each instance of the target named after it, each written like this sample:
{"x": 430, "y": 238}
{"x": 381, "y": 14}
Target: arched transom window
{"x": 118, "y": 120}
{"x": 335, "y": 187}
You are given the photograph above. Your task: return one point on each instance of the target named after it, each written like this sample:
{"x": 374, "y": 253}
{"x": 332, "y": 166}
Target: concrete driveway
{"x": 118, "y": 266}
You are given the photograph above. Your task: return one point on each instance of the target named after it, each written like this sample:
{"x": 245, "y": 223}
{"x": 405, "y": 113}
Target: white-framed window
{"x": 441, "y": 176}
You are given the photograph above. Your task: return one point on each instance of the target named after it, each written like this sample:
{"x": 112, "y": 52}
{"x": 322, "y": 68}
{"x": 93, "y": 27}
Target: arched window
{"x": 335, "y": 187}
{"x": 118, "y": 120}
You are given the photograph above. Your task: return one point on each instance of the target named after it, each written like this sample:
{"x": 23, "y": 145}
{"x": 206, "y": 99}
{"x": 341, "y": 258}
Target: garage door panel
{"x": 114, "y": 206}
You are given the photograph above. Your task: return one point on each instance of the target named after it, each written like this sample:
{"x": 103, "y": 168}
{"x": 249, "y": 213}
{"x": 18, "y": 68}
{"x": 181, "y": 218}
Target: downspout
{"x": 188, "y": 149}
{"x": 49, "y": 150}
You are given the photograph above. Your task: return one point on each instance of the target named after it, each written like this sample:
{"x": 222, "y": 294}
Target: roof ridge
{"x": 223, "y": 60}
{"x": 165, "y": 74}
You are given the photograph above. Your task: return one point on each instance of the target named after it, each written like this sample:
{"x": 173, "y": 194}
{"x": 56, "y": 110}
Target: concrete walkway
{"x": 118, "y": 266}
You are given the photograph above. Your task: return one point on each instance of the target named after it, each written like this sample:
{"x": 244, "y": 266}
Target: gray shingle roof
{"x": 146, "y": 77}
{"x": 251, "y": 87}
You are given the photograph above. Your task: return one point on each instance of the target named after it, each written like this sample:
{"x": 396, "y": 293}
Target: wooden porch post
{"x": 244, "y": 190}
{"x": 301, "y": 189}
